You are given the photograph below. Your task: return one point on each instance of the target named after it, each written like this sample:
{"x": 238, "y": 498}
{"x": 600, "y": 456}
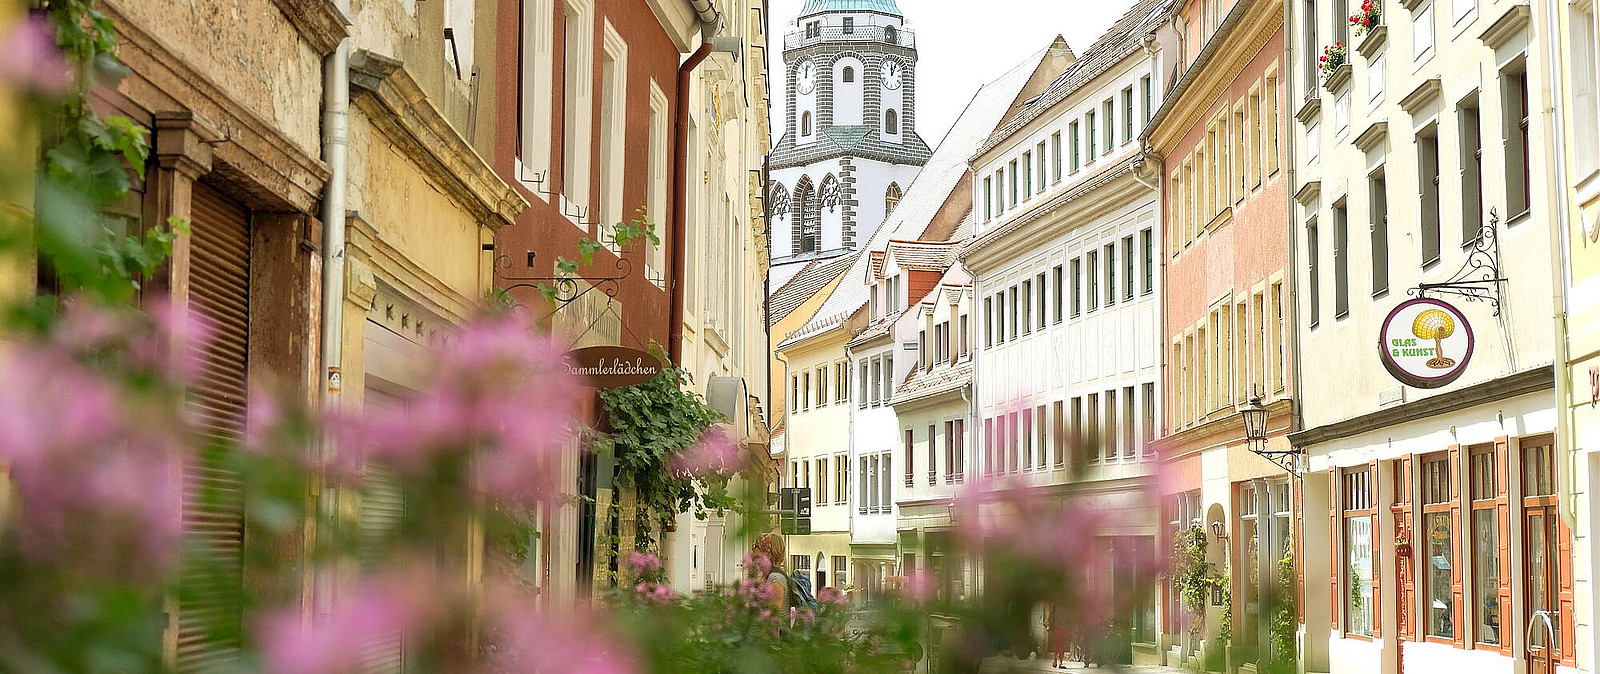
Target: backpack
{"x": 800, "y": 595}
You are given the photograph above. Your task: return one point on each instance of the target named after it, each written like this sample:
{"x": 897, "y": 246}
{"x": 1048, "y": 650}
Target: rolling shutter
{"x": 382, "y": 514}
{"x": 208, "y": 622}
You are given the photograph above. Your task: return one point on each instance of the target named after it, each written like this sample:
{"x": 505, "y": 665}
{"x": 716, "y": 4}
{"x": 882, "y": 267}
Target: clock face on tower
{"x": 891, "y": 75}
{"x": 807, "y": 76}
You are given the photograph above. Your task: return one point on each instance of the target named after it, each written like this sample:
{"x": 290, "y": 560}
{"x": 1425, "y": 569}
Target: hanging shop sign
{"x": 608, "y": 367}
{"x": 1426, "y": 343}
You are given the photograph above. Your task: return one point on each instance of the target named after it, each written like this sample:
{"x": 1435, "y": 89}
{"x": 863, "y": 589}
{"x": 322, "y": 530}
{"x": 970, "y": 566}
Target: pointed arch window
{"x": 891, "y": 198}
{"x": 806, "y": 237}
{"x": 805, "y": 123}
{"x": 891, "y": 122}
{"x": 828, "y": 194}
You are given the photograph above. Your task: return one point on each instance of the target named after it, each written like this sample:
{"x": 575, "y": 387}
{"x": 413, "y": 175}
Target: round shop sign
{"x": 1426, "y": 343}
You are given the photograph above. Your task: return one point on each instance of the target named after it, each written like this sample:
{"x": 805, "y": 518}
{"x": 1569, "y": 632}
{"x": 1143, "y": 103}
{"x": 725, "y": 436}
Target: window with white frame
{"x": 536, "y": 98}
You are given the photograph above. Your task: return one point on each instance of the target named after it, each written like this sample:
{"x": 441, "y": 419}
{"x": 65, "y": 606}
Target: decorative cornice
{"x": 1373, "y": 42}
{"x": 1227, "y": 53}
{"x": 1514, "y": 21}
{"x": 1510, "y": 386}
{"x": 1308, "y": 191}
{"x": 282, "y": 175}
{"x": 319, "y": 22}
{"x": 400, "y": 109}
{"x": 1372, "y": 136}
{"x": 1425, "y": 92}
{"x": 1021, "y": 232}
{"x": 1310, "y": 109}
{"x": 367, "y": 245}
{"x": 1337, "y": 80}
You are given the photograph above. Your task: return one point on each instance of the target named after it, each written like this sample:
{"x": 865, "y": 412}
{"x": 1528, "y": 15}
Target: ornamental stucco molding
{"x": 319, "y": 22}
{"x": 384, "y": 90}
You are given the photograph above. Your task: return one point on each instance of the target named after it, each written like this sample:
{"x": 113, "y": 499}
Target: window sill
{"x": 1519, "y": 218}
{"x": 1340, "y": 316}
{"x": 1380, "y": 294}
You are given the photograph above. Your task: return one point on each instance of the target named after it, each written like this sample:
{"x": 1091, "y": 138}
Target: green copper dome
{"x": 817, "y": 6}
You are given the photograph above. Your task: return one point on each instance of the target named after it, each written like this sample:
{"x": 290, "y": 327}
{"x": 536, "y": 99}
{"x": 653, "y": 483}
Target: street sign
{"x": 1426, "y": 343}
{"x": 794, "y": 504}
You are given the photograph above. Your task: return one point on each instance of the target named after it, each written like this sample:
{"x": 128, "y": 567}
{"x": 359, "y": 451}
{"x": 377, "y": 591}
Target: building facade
{"x": 1572, "y": 81}
{"x": 1447, "y": 545}
{"x": 1064, "y": 262}
{"x": 1225, "y": 328}
{"x": 934, "y": 408}
{"x": 849, "y": 147}
{"x": 853, "y": 326}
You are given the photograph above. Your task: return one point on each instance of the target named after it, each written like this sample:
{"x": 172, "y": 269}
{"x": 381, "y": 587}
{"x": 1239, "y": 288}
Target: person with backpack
{"x": 788, "y": 591}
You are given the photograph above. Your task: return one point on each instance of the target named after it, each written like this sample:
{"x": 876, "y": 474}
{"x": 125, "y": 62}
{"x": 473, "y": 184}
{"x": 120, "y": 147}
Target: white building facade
{"x": 1419, "y": 173}
{"x": 849, "y": 148}
{"x": 1066, "y": 283}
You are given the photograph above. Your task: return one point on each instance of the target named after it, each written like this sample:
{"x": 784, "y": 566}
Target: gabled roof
{"x": 875, "y": 264}
{"x": 805, "y": 285}
{"x": 1123, "y": 38}
{"x": 942, "y": 378}
{"x": 925, "y": 196}
{"x": 935, "y": 256}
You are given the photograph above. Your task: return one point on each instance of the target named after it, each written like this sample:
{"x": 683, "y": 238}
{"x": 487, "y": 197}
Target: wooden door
{"x": 1542, "y": 565}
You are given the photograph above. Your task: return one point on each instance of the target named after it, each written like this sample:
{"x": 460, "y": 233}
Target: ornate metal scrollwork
{"x": 1478, "y": 279}
{"x": 566, "y": 288}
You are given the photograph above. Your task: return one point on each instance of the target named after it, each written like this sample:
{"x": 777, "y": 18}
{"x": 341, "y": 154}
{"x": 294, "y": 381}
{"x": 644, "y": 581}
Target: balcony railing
{"x": 801, "y": 36}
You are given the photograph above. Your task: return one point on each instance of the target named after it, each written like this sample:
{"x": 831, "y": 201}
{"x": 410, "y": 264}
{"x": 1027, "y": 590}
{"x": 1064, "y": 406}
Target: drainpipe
{"x": 710, "y": 22}
{"x": 1292, "y": 278}
{"x": 1560, "y": 261}
{"x": 335, "y": 150}
{"x": 766, "y": 288}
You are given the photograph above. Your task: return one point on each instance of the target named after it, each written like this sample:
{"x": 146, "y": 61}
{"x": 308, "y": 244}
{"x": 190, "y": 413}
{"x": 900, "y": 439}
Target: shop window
{"x": 1356, "y": 500}
{"x": 1547, "y": 560}
{"x": 1439, "y": 569}
{"x": 1490, "y": 558}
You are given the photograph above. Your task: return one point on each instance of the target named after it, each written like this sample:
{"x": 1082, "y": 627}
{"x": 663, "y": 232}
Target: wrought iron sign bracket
{"x": 1478, "y": 279}
{"x": 1287, "y": 459}
{"x": 566, "y": 288}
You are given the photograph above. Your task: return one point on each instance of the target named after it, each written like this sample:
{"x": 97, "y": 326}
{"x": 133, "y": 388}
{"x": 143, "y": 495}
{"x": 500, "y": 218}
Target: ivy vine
{"x": 87, "y": 166}
{"x": 649, "y": 424}
{"x": 1192, "y": 576}
{"x": 1285, "y": 622}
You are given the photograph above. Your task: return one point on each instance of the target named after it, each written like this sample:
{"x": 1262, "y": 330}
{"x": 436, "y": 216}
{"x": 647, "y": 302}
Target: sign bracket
{"x": 1478, "y": 279}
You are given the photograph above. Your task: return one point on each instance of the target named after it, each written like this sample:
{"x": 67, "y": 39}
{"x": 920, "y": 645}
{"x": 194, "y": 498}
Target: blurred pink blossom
{"x": 714, "y": 454}
{"x": 525, "y": 640}
{"x": 96, "y": 473}
{"x": 831, "y": 596}
{"x": 497, "y": 389}
{"x": 30, "y": 59}
{"x": 371, "y": 613}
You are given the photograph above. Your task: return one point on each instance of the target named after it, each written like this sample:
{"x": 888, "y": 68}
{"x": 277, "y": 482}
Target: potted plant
{"x": 1402, "y": 543}
{"x": 1367, "y": 19}
{"x": 1333, "y": 56}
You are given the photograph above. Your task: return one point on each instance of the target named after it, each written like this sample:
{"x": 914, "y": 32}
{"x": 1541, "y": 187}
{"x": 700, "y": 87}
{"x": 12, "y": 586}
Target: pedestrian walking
{"x": 1058, "y": 637}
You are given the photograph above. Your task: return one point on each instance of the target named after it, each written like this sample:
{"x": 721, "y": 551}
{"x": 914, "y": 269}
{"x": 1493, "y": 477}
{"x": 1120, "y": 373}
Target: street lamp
{"x": 1254, "y": 414}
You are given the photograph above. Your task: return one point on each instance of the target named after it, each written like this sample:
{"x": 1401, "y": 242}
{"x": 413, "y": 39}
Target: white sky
{"x": 963, "y": 44}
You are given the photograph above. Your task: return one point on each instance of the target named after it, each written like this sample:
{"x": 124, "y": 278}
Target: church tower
{"x": 850, "y": 146}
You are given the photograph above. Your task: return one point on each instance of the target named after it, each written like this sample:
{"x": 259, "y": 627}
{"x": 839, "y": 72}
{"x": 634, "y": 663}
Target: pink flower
{"x": 498, "y": 390}
{"x": 30, "y": 59}
{"x": 524, "y": 640}
{"x": 714, "y": 454}
{"x": 368, "y": 614}
{"x": 831, "y": 596}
